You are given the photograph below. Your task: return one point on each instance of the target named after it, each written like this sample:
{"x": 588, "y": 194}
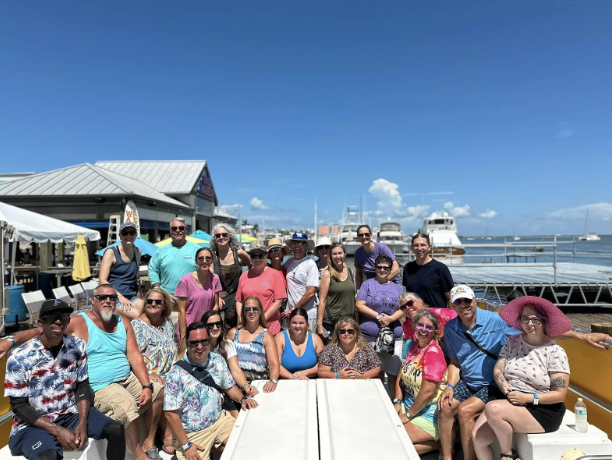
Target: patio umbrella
{"x": 202, "y": 243}
{"x": 147, "y": 248}
{"x": 245, "y": 238}
{"x": 81, "y": 260}
{"x": 201, "y": 235}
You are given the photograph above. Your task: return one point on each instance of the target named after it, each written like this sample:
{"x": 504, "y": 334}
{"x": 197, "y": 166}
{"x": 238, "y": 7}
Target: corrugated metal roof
{"x": 172, "y": 177}
{"x": 85, "y": 179}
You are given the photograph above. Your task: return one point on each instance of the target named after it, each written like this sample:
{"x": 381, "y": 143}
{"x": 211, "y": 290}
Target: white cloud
{"x": 388, "y": 195}
{"x": 457, "y": 211}
{"x": 601, "y": 211}
{"x": 419, "y": 210}
{"x": 488, "y": 214}
{"x": 258, "y": 205}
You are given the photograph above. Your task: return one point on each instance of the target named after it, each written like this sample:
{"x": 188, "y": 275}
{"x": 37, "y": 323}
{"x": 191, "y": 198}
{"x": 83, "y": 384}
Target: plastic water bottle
{"x": 581, "y": 416}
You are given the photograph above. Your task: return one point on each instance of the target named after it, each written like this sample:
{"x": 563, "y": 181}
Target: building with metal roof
{"x": 89, "y": 194}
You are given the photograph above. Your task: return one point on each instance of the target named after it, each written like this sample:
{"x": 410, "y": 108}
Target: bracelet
{"x": 536, "y": 399}
{"x": 448, "y": 385}
{"x": 397, "y": 401}
{"x": 337, "y": 376}
{"x": 244, "y": 387}
{"x": 14, "y": 343}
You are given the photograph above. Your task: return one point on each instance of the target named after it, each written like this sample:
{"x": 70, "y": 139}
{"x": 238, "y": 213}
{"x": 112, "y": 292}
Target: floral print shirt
{"x": 362, "y": 361}
{"x": 157, "y": 345}
{"x": 197, "y": 404}
{"x": 48, "y": 383}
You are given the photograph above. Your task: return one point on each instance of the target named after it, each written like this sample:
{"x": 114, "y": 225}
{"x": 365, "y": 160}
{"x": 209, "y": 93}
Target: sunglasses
{"x": 177, "y": 229}
{"x": 195, "y": 343}
{"x": 363, "y": 235}
{"x": 301, "y": 243}
{"x": 382, "y": 267}
{"x": 155, "y": 301}
{"x": 410, "y": 303}
{"x": 275, "y": 250}
{"x": 427, "y": 327}
{"x": 347, "y": 331}
{"x": 53, "y": 317}
{"x": 458, "y": 302}
{"x": 202, "y": 259}
{"x": 216, "y": 324}
{"x": 326, "y": 246}
{"x": 259, "y": 255}
{"x": 527, "y": 319}
{"x": 251, "y": 309}
{"x": 128, "y": 233}
{"x": 221, "y": 235}
{"x": 103, "y": 297}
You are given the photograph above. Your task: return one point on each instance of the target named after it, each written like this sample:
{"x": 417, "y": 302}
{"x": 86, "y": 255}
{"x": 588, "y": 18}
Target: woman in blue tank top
{"x": 298, "y": 348}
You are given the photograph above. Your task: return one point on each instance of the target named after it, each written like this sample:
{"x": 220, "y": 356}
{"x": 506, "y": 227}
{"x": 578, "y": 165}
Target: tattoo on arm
{"x": 556, "y": 383}
{"x": 498, "y": 374}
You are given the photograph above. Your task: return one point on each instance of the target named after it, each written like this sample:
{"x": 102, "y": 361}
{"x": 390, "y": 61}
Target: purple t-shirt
{"x": 199, "y": 299}
{"x": 381, "y": 298}
{"x": 365, "y": 260}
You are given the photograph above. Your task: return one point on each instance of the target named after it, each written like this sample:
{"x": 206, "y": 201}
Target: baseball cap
{"x": 127, "y": 224}
{"x": 461, "y": 291}
{"x": 52, "y": 305}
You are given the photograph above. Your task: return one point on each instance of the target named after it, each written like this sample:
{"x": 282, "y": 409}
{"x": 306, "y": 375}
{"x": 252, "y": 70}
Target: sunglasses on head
{"x": 195, "y": 343}
{"x": 53, "y": 317}
{"x": 177, "y": 229}
{"x": 427, "y": 327}
{"x": 363, "y": 235}
{"x": 103, "y": 297}
{"x": 275, "y": 250}
{"x": 458, "y": 302}
{"x": 259, "y": 255}
{"x": 216, "y": 324}
{"x": 251, "y": 309}
{"x": 155, "y": 301}
{"x": 410, "y": 303}
{"x": 202, "y": 259}
{"x": 128, "y": 233}
{"x": 347, "y": 331}
{"x": 221, "y": 235}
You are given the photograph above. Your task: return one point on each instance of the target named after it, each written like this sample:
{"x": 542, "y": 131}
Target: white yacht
{"x": 351, "y": 220}
{"x": 588, "y": 236}
{"x": 391, "y": 234}
{"x": 442, "y": 231}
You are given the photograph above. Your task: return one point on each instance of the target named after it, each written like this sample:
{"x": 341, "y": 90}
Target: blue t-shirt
{"x": 490, "y": 332}
{"x": 365, "y": 260}
{"x": 169, "y": 264}
{"x": 382, "y": 298}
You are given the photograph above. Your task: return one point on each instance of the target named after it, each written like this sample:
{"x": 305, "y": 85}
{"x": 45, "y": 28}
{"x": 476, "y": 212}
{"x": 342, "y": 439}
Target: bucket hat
{"x": 323, "y": 241}
{"x": 299, "y": 236}
{"x": 556, "y": 322}
{"x": 258, "y": 246}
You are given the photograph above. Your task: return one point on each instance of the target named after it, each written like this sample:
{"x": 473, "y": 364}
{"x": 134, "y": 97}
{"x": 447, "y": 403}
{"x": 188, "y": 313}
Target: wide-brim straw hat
{"x": 556, "y": 322}
{"x": 299, "y": 236}
{"x": 277, "y": 243}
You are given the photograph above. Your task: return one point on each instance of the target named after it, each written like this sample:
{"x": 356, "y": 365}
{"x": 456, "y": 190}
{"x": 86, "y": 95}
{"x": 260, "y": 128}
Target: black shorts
{"x": 485, "y": 393}
{"x": 550, "y": 416}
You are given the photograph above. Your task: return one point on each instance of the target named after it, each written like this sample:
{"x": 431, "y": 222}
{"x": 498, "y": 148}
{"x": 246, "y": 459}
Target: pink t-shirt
{"x": 199, "y": 299}
{"x": 424, "y": 363}
{"x": 268, "y": 286}
{"x": 444, "y": 315}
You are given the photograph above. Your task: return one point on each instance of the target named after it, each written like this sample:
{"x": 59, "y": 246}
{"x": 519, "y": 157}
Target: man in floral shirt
{"x": 48, "y": 386}
{"x": 194, "y": 396}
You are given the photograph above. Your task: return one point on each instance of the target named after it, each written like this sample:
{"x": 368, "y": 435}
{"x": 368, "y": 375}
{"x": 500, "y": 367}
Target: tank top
{"x": 340, "y": 299}
{"x": 124, "y": 275}
{"x": 293, "y": 362}
{"x": 252, "y": 357}
{"x": 106, "y": 354}
{"x": 229, "y": 275}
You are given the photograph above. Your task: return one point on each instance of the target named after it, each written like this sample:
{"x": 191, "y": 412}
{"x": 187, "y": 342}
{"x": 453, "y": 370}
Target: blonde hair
{"x": 359, "y": 339}
{"x": 262, "y": 318}
{"x": 168, "y": 303}
{"x": 331, "y": 266}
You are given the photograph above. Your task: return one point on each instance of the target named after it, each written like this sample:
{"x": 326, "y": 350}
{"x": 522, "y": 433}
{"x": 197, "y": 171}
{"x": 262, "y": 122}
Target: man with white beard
{"x": 117, "y": 372}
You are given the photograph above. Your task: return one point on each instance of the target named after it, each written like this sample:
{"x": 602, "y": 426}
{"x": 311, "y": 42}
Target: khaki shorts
{"x": 210, "y": 437}
{"x": 118, "y": 400}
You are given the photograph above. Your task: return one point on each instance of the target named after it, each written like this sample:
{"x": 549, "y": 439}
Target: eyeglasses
{"x": 259, "y": 255}
{"x": 251, "y": 309}
{"x": 202, "y": 259}
{"x": 195, "y": 343}
{"x": 382, "y": 267}
{"x": 275, "y": 250}
{"x": 103, "y": 297}
{"x": 211, "y": 326}
{"x": 155, "y": 301}
{"x": 410, "y": 303}
{"x": 177, "y": 229}
{"x": 221, "y": 235}
{"x": 347, "y": 331}
{"x": 326, "y": 246}
{"x": 458, "y": 302}
{"x": 427, "y": 327}
{"x": 53, "y": 317}
{"x": 526, "y": 319}
{"x": 128, "y": 233}
{"x": 363, "y": 235}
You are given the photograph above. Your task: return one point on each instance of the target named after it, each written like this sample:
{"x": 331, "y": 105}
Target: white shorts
{"x": 391, "y": 364}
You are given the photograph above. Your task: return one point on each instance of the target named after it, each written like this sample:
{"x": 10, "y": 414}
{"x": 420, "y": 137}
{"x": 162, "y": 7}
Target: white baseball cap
{"x": 461, "y": 291}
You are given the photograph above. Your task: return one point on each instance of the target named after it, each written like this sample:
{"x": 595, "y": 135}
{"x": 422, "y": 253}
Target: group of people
{"x": 187, "y": 379}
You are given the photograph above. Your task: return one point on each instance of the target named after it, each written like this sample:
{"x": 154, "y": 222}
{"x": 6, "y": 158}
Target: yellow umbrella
{"x": 81, "y": 260}
{"x": 188, "y": 238}
{"x": 246, "y": 238}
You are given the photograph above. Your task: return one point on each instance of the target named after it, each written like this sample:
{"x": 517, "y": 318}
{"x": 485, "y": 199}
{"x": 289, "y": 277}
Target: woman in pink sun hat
{"x": 532, "y": 371}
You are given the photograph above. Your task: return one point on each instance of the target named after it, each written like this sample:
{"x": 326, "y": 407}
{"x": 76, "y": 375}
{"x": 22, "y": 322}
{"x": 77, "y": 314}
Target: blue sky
{"x": 499, "y": 112}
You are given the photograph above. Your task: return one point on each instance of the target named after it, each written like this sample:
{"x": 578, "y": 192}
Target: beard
{"x": 107, "y": 315}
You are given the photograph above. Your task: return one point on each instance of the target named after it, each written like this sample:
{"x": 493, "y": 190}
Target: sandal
{"x": 512, "y": 456}
{"x": 166, "y": 448}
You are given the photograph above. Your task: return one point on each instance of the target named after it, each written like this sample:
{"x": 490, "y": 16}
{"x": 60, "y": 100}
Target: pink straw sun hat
{"x": 555, "y": 322}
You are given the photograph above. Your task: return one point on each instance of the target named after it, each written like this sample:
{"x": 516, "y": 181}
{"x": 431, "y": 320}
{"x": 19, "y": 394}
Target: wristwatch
{"x": 377, "y": 316}
{"x": 244, "y": 387}
{"x": 397, "y": 401}
{"x": 242, "y": 399}
{"x": 186, "y": 446}
{"x": 149, "y": 386}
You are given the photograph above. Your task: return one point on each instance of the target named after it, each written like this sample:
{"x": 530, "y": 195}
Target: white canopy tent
{"x": 20, "y": 225}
